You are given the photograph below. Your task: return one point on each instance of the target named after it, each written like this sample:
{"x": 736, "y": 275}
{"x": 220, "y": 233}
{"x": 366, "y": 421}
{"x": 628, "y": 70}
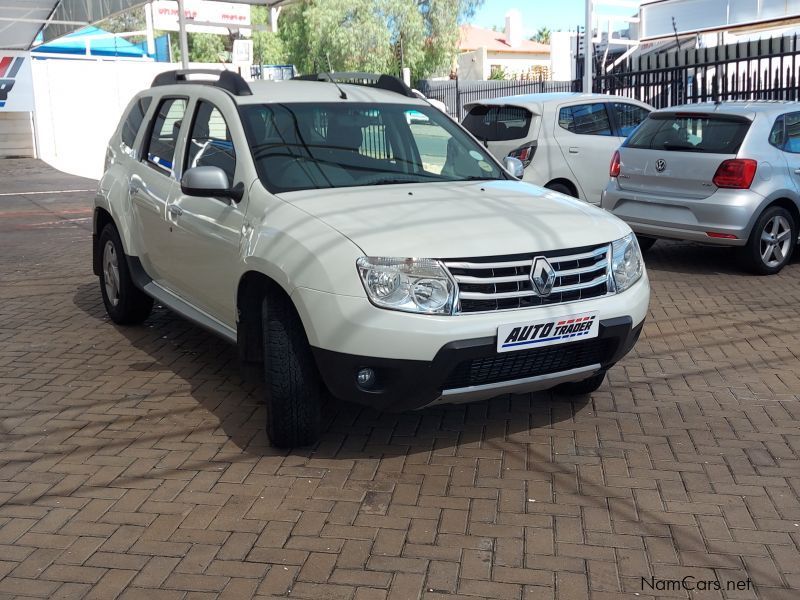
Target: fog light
{"x": 365, "y": 377}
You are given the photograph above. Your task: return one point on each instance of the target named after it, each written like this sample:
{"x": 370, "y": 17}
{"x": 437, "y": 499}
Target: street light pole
{"x": 182, "y": 35}
{"x": 588, "y": 50}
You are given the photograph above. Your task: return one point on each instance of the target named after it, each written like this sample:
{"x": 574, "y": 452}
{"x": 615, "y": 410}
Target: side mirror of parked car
{"x": 209, "y": 181}
{"x": 514, "y": 166}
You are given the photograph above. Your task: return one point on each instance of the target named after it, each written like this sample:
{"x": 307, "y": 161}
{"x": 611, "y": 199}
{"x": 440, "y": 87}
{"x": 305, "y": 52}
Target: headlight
{"x": 418, "y": 285}
{"x": 626, "y": 262}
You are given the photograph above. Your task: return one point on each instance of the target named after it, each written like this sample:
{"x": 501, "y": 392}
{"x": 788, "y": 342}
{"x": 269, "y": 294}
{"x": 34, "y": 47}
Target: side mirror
{"x": 514, "y": 166}
{"x": 210, "y": 181}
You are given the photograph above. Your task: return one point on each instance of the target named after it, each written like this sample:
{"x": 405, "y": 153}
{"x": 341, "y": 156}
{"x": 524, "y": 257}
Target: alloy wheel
{"x": 111, "y": 273}
{"x": 776, "y": 240}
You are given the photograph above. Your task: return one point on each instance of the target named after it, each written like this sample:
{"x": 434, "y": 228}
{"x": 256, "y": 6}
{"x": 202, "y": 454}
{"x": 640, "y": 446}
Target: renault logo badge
{"x": 543, "y": 276}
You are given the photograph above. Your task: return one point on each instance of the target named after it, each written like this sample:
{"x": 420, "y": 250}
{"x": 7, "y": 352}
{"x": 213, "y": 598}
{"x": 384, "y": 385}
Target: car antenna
{"x": 342, "y": 95}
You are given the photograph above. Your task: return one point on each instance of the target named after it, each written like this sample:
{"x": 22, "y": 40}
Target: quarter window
{"x": 792, "y": 132}
{"x": 164, "y": 135}
{"x": 210, "y": 142}
{"x": 134, "y": 121}
{"x": 585, "y": 119}
{"x": 628, "y": 117}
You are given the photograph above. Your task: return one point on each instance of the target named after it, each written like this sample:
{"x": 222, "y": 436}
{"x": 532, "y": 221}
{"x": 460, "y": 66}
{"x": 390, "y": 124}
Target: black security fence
{"x": 456, "y": 94}
{"x": 767, "y": 69}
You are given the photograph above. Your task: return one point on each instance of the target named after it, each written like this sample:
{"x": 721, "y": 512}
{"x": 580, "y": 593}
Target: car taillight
{"x": 525, "y": 153}
{"x": 735, "y": 173}
{"x": 613, "y": 170}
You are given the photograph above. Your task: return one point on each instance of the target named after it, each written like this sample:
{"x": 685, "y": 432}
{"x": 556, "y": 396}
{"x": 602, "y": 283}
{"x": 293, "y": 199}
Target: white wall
{"x": 562, "y": 55}
{"x": 16, "y": 135}
{"x": 472, "y": 65}
{"x": 78, "y": 106}
{"x": 516, "y": 63}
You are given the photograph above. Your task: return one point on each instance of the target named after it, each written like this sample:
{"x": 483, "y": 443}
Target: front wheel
{"x": 581, "y": 388}
{"x": 293, "y": 386}
{"x": 771, "y": 242}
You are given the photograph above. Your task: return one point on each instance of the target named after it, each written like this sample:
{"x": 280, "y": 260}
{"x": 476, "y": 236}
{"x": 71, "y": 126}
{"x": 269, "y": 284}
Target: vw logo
{"x": 661, "y": 164}
{"x": 543, "y": 276}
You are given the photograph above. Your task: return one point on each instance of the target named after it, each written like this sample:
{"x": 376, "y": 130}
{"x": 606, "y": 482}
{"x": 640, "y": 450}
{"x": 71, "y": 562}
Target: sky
{"x": 553, "y": 14}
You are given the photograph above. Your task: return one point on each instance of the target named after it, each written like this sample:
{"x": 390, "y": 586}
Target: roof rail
{"x": 227, "y": 80}
{"x": 389, "y": 83}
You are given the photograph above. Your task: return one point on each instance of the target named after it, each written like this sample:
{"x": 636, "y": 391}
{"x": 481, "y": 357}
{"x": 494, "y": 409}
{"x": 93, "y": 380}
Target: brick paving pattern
{"x": 133, "y": 462}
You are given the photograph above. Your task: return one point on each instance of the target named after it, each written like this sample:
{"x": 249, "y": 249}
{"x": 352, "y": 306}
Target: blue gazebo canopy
{"x": 75, "y": 43}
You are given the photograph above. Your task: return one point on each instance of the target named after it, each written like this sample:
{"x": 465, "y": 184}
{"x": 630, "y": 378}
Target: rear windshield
{"x": 682, "y": 132}
{"x": 498, "y": 123}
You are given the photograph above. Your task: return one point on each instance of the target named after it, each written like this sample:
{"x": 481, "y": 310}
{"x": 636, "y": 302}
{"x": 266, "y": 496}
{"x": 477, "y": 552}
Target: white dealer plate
{"x": 546, "y": 332}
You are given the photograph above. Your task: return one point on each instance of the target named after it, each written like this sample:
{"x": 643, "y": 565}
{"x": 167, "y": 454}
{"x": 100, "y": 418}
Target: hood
{"x": 458, "y": 219}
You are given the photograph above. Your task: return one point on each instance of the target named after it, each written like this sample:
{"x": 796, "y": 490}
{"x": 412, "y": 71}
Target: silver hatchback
{"x": 725, "y": 174}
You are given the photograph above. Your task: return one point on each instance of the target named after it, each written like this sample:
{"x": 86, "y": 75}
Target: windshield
{"x": 311, "y": 146}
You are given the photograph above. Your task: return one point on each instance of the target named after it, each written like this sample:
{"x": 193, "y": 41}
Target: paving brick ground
{"x": 133, "y": 461}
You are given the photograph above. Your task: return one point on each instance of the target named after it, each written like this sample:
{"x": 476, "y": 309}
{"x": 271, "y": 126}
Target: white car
{"x": 564, "y": 140}
{"x": 340, "y": 248}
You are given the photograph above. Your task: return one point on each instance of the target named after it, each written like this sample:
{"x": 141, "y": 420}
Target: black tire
{"x": 561, "y": 189}
{"x": 292, "y": 382}
{"x": 581, "y": 388}
{"x": 645, "y": 243}
{"x": 750, "y": 256}
{"x": 125, "y": 303}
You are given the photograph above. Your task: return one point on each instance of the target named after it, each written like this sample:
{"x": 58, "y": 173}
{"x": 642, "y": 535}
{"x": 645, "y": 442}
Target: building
{"x": 485, "y": 51}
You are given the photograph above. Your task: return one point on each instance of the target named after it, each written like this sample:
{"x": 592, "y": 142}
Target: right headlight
{"x": 419, "y": 285}
{"x": 626, "y": 262}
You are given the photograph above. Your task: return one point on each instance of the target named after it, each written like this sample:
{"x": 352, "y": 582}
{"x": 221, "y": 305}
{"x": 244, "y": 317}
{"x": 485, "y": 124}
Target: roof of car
{"x": 297, "y": 90}
{"x": 738, "y": 107}
{"x": 534, "y": 102}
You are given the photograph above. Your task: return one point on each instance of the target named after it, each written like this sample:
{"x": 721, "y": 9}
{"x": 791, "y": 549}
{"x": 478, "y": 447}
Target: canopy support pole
{"x": 184, "y": 41}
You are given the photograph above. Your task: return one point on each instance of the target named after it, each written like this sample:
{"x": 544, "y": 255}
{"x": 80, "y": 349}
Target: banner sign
{"x": 232, "y": 16}
{"x": 16, "y": 81}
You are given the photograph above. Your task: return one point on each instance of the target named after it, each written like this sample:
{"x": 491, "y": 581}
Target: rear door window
{"x": 498, "y": 123}
{"x": 130, "y": 128}
{"x": 585, "y": 119}
{"x": 164, "y": 134}
{"x": 628, "y": 117}
{"x": 685, "y": 132}
{"x": 210, "y": 142}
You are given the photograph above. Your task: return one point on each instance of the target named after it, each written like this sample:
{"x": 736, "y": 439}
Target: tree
{"x": 203, "y": 47}
{"x": 268, "y": 47}
{"x": 542, "y": 36}
{"x": 373, "y": 35}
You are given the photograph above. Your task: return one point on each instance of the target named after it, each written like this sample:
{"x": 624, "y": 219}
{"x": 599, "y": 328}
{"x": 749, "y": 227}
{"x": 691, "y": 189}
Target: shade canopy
{"x": 22, "y": 20}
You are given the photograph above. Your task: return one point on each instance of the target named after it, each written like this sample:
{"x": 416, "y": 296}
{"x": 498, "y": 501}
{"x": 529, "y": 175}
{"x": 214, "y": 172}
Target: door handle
{"x": 175, "y": 210}
{"x": 573, "y": 150}
{"x": 797, "y": 171}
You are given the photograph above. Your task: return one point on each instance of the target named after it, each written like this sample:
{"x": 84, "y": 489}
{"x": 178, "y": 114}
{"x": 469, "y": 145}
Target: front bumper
{"x": 470, "y": 370}
{"x": 730, "y": 212}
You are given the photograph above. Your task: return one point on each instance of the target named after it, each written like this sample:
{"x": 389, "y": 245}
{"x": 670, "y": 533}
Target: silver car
{"x": 725, "y": 174}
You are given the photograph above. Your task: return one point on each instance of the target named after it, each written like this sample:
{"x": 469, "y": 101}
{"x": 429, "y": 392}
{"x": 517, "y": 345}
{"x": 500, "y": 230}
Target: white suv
{"x": 338, "y": 246}
{"x": 565, "y": 140}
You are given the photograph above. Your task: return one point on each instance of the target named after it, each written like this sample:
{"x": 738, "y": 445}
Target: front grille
{"x": 504, "y": 283}
{"x": 529, "y": 363}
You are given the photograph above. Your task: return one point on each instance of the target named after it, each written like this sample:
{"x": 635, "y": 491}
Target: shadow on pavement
{"x": 181, "y": 351}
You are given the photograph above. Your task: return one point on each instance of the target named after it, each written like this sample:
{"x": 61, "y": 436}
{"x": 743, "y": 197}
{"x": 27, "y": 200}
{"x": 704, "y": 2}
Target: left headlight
{"x": 419, "y": 285}
{"x": 626, "y": 262}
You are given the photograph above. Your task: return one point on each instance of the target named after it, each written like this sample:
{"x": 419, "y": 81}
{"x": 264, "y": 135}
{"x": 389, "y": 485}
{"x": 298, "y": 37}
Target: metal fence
{"x": 760, "y": 70}
{"x": 455, "y": 94}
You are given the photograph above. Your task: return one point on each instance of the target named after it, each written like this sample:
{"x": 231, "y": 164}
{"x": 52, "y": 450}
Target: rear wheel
{"x": 561, "y": 189}
{"x": 125, "y": 303}
{"x": 771, "y": 242}
{"x": 293, "y": 386}
{"x": 581, "y": 388}
{"x": 645, "y": 243}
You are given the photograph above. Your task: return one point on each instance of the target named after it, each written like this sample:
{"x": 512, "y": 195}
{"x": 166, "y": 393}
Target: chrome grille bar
{"x": 506, "y": 284}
